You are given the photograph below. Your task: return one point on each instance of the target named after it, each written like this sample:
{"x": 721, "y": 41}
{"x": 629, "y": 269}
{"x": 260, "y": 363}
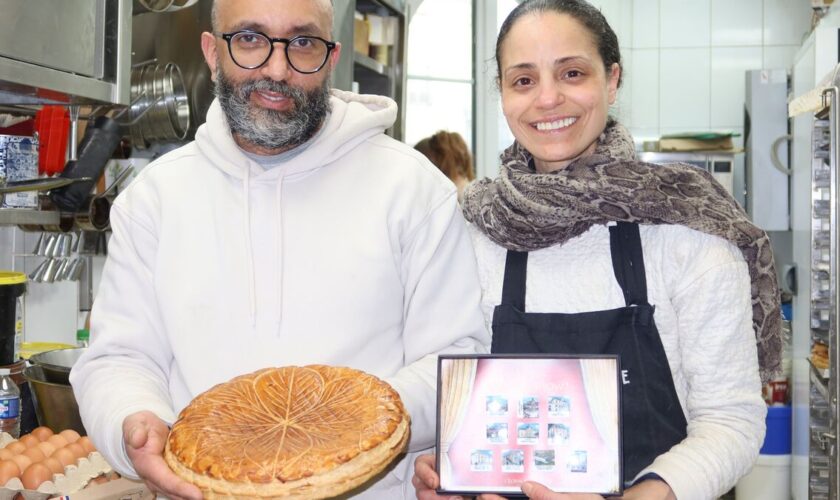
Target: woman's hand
{"x": 536, "y": 491}
{"x": 651, "y": 489}
{"x": 145, "y": 439}
{"x": 425, "y": 481}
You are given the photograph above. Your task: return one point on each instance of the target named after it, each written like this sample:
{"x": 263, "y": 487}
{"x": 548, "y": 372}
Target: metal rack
{"x": 68, "y": 52}
{"x": 372, "y": 76}
{"x": 824, "y": 469}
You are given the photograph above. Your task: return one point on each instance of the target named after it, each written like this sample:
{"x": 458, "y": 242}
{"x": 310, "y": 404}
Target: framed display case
{"x": 505, "y": 419}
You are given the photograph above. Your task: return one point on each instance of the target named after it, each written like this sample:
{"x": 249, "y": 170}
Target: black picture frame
{"x": 554, "y": 419}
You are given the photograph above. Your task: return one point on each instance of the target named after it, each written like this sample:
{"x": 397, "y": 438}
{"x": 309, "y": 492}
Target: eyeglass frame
{"x": 227, "y": 37}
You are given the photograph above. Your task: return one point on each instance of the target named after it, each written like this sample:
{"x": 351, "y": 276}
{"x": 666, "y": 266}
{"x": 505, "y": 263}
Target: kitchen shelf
{"x": 819, "y": 380}
{"x": 371, "y": 64}
{"x": 824, "y": 468}
{"x": 28, "y": 216}
{"x": 367, "y": 75}
{"x": 365, "y": 6}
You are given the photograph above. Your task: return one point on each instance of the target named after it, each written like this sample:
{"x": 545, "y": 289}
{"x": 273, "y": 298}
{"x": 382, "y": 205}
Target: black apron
{"x": 653, "y": 419}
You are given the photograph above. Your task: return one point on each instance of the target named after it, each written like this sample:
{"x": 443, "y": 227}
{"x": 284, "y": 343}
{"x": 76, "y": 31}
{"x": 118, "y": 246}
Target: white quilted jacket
{"x": 700, "y": 287}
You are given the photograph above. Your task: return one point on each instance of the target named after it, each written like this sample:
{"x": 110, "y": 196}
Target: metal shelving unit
{"x": 29, "y": 217}
{"x": 372, "y": 76}
{"x": 824, "y": 468}
{"x": 89, "y": 55}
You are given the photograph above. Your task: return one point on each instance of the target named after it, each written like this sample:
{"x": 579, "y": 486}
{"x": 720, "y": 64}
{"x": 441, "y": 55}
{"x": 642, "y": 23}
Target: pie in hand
{"x": 294, "y": 432}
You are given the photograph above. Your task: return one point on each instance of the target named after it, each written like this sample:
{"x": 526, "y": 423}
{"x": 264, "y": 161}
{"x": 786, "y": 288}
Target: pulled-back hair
{"x": 449, "y": 152}
{"x": 591, "y": 18}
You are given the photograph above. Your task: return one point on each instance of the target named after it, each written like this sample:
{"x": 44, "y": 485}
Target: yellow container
{"x": 30, "y": 348}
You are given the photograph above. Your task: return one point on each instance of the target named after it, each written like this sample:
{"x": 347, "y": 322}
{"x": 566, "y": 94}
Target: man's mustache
{"x": 276, "y": 87}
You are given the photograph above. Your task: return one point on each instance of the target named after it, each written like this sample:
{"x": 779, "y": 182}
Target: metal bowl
{"x": 55, "y": 404}
{"x": 56, "y": 364}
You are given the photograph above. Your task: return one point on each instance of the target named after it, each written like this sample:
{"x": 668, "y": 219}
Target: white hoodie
{"x": 353, "y": 253}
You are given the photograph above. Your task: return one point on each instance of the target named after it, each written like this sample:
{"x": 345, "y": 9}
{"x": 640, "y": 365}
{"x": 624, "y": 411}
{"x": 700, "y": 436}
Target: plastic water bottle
{"x": 9, "y": 404}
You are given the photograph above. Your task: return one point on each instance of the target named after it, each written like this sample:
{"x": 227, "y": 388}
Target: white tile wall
{"x": 623, "y": 26}
{"x": 684, "y": 23}
{"x": 50, "y": 309}
{"x": 779, "y": 56}
{"x": 643, "y": 78}
{"x": 786, "y": 21}
{"x": 686, "y": 61}
{"x": 645, "y": 24}
{"x": 619, "y": 14}
{"x": 737, "y": 23}
{"x": 684, "y": 90}
{"x": 729, "y": 83}
{"x": 608, "y": 7}
{"x": 52, "y": 312}
{"x": 622, "y": 109}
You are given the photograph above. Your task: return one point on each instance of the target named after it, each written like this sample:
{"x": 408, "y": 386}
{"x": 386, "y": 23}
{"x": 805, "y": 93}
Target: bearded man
{"x": 292, "y": 231}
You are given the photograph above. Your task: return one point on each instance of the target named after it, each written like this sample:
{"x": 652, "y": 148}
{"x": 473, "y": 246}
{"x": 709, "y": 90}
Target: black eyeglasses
{"x": 251, "y": 49}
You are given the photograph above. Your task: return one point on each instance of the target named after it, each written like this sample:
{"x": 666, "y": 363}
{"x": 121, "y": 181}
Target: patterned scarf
{"x": 524, "y": 210}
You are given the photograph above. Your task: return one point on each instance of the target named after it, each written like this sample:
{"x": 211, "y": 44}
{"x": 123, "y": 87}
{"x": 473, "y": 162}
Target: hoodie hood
{"x": 353, "y": 118}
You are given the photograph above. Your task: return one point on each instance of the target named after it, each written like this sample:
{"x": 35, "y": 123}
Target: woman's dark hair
{"x": 587, "y": 15}
{"x": 449, "y": 152}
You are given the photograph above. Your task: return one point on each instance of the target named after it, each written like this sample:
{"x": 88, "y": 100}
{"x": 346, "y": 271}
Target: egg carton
{"x": 75, "y": 477}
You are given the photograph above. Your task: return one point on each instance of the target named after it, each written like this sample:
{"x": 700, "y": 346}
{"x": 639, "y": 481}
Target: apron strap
{"x": 513, "y": 289}
{"x": 628, "y": 262}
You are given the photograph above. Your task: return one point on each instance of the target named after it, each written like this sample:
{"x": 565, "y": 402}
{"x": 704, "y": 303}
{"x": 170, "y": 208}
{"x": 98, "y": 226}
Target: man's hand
{"x": 425, "y": 479}
{"x": 145, "y": 439}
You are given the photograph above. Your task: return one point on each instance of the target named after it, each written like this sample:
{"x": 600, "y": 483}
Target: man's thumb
{"x": 136, "y": 435}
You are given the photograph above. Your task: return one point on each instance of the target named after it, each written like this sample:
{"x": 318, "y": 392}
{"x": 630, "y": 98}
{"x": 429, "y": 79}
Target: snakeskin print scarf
{"x": 525, "y": 210}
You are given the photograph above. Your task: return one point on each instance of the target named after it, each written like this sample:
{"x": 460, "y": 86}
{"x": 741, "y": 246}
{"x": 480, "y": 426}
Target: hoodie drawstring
{"x": 252, "y": 286}
{"x": 278, "y": 236}
{"x": 278, "y": 244}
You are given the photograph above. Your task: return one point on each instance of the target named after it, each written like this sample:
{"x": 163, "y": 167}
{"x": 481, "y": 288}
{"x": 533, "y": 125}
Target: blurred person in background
{"x": 582, "y": 249}
{"x": 449, "y": 152}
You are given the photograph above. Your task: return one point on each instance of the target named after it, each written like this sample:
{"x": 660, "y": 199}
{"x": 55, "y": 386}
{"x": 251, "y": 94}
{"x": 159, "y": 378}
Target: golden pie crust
{"x": 296, "y": 432}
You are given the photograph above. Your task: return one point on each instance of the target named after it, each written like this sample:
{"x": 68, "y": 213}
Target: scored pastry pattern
{"x": 285, "y": 424}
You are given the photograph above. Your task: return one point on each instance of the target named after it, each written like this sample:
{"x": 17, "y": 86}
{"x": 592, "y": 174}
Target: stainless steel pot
{"x": 160, "y": 110}
{"x": 55, "y": 404}
{"x": 56, "y": 364}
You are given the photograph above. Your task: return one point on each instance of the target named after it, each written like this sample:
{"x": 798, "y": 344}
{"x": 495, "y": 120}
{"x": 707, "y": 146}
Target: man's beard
{"x": 268, "y": 128}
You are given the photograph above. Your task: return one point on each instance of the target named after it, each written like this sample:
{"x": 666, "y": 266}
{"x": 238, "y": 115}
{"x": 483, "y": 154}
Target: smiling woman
{"x": 556, "y": 107}
{"x": 583, "y": 249}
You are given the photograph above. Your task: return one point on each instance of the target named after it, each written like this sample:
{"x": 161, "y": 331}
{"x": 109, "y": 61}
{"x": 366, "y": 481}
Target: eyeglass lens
{"x": 305, "y": 54}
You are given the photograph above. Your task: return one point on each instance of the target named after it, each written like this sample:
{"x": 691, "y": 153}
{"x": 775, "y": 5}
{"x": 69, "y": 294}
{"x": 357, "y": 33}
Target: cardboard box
{"x": 689, "y": 144}
{"x": 122, "y": 489}
{"x": 383, "y": 29}
{"x": 361, "y": 36}
{"x": 381, "y": 53}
